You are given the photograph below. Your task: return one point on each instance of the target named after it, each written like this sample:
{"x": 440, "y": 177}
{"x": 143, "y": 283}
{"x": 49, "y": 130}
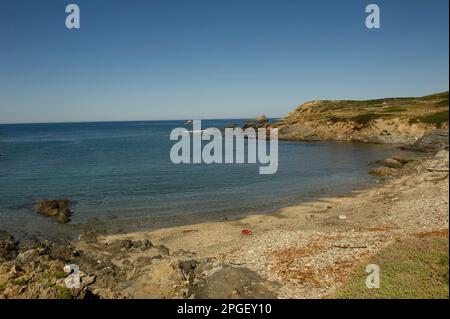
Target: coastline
{"x": 302, "y": 251}
{"x": 25, "y": 221}
{"x": 310, "y": 249}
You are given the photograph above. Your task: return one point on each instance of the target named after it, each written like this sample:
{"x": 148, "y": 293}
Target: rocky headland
{"x": 390, "y": 120}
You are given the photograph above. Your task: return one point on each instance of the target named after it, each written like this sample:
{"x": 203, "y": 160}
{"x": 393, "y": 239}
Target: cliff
{"x": 389, "y": 120}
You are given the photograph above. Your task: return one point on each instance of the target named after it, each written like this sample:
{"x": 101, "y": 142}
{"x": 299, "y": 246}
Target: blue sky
{"x": 166, "y": 59}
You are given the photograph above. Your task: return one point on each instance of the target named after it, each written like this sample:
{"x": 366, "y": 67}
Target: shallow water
{"x": 124, "y": 169}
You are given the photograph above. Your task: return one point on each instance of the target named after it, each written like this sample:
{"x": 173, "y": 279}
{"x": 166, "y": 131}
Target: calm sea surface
{"x": 124, "y": 169}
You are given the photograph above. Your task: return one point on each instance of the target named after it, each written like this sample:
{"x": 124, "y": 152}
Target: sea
{"x": 123, "y": 170}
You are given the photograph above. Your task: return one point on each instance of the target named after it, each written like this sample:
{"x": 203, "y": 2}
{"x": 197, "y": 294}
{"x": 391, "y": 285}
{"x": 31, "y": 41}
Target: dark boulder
{"x": 57, "y": 209}
{"x": 8, "y": 246}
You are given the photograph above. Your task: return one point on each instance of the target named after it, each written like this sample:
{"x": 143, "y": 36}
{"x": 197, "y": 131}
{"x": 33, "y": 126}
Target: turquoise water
{"x": 124, "y": 169}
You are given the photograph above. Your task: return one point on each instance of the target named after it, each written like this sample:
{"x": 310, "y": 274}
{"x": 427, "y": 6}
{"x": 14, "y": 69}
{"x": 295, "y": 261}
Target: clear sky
{"x": 167, "y": 59}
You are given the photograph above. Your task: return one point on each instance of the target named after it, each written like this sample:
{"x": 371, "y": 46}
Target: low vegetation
{"x": 414, "y": 268}
{"x": 437, "y": 119}
{"x": 365, "y": 118}
{"x": 62, "y": 292}
{"x": 430, "y": 109}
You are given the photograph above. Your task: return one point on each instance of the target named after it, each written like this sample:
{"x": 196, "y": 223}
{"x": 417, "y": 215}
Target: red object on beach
{"x": 246, "y": 232}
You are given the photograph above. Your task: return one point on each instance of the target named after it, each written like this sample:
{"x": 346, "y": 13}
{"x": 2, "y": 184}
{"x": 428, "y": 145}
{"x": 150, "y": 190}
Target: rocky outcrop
{"x": 123, "y": 268}
{"x": 433, "y": 141}
{"x": 57, "y": 209}
{"x": 35, "y": 269}
{"x": 393, "y": 120}
{"x": 226, "y": 282}
{"x": 392, "y": 131}
{"x": 399, "y": 166}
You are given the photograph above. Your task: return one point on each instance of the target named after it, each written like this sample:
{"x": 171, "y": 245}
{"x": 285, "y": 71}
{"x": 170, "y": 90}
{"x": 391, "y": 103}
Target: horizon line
{"x": 229, "y": 118}
{"x": 121, "y": 121}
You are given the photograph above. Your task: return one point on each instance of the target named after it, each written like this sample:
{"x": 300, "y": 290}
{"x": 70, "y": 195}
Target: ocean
{"x": 123, "y": 170}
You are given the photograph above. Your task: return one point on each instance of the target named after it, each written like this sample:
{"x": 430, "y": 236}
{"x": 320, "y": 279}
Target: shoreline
{"x": 317, "y": 233}
{"x": 302, "y": 251}
{"x": 118, "y": 224}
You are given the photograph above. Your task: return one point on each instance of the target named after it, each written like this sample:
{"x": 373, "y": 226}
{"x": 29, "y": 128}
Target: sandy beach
{"x": 303, "y": 251}
{"x": 309, "y": 250}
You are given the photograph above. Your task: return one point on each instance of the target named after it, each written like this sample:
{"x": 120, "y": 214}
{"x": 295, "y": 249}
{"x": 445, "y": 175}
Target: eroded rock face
{"x": 394, "y": 131}
{"x": 434, "y": 140}
{"x": 35, "y": 269}
{"x": 119, "y": 269}
{"x": 57, "y": 209}
{"x": 388, "y": 121}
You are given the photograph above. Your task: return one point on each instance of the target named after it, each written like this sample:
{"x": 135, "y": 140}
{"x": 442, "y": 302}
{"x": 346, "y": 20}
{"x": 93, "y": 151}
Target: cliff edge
{"x": 389, "y": 120}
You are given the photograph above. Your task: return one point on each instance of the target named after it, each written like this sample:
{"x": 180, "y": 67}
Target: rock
{"x": 59, "y": 250}
{"x": 188, "y": 267}
{"x": 57, "y": 209}
{"x": 126, "y": 245}
{"x": 146, "y": 244}
{"x": 88, "y": 237}
{"x": 163, "y": 250}
{"x": 232, "y": 283}
{"x": 16, "y": 269}
{"x": 87, "y": 294}
{"x": 28, "y": 242}
{"x": 310, "y": 216}
{"x": 342, "y": 217}
{"x": 382, "y": 171}
{"x": 8, "y": 246}
{"x": 391, "y": 162}
{"x": 162, "y": 280}
{"x": 403, "y": 160}
{"x": 439, "y": 163}
{"x": 435, "y": 140}
{"x": 142, "y": 244}
{"x": 87, "y": 280}
{"x": 5, "y": 236}
{"x": 28, "y": 256}
{"x": 37, "y": 271}
{"x": 120, "y": 245}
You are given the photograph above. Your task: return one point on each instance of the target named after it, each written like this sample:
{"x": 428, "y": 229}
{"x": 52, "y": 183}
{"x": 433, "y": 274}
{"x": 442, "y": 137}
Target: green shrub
{"x": 62, "y": 292}
{"x": 438, "y": 118}
{"x": 393, "y": 109}
{"x": 365, "y": 118}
